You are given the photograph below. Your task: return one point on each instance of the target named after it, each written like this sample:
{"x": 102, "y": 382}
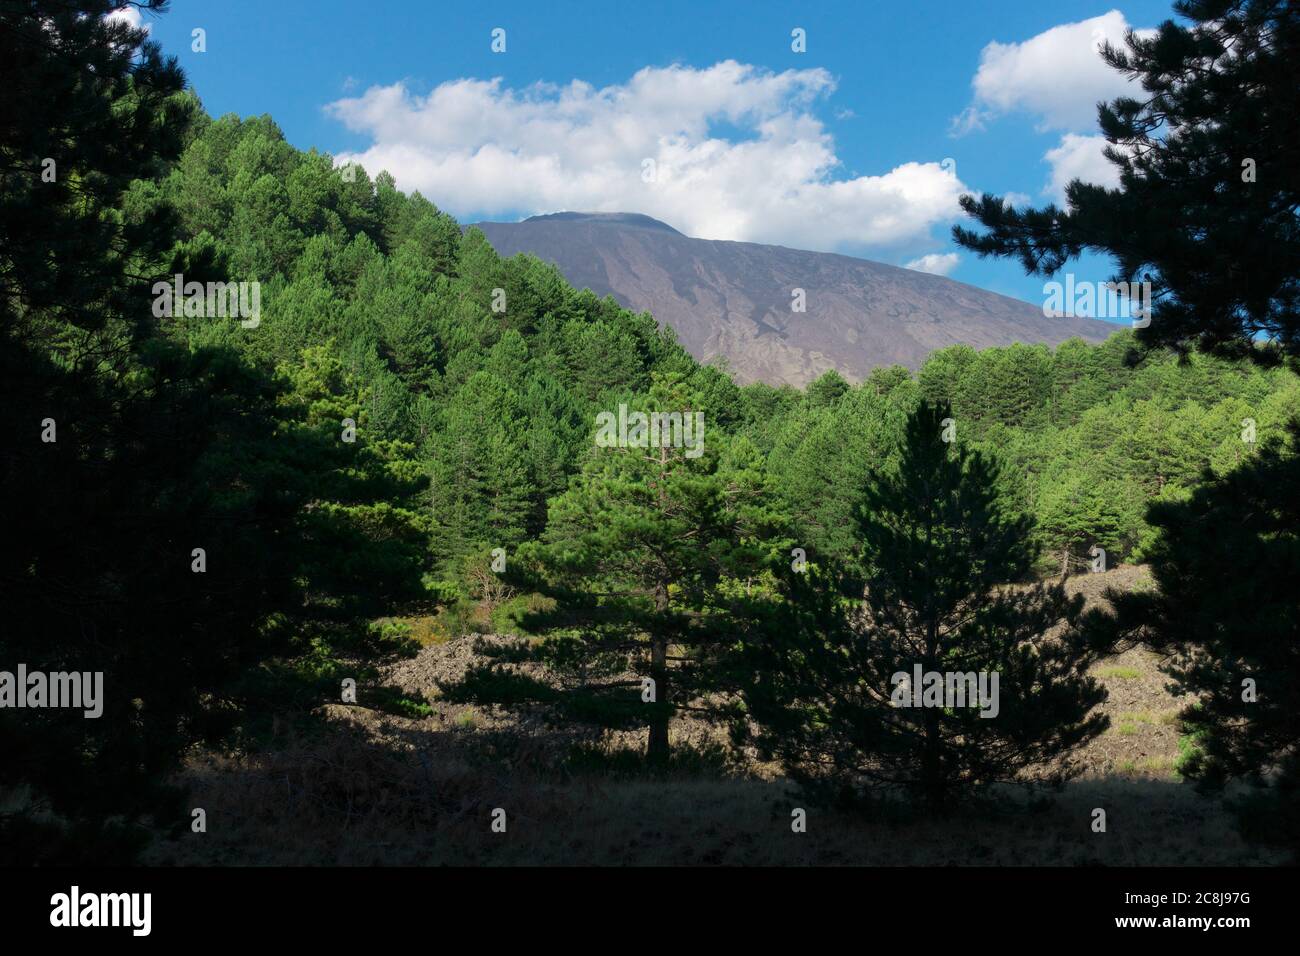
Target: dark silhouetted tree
{"x": 942, "y": 554}
{"x": 1209, "y": 186}
{"x": 174, "y": 517}
{"x": 1224, "y": 610}
{"x": 1207, "y": 208}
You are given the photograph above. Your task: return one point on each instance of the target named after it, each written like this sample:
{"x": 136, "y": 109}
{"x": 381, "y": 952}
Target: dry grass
{"x": 357, "y": 799}
{"x": 1142, "y": 741}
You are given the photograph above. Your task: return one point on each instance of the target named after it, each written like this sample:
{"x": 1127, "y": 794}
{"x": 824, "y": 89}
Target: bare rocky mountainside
{"x": 733, "y": 299}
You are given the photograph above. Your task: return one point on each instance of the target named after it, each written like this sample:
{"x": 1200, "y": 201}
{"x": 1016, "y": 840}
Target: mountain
{"x": 733, "y": 299}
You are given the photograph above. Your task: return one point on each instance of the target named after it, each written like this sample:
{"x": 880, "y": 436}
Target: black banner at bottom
{"x": 362, "y": 905}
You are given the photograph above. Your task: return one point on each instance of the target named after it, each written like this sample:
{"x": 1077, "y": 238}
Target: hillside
{"x": 733, "y": 299}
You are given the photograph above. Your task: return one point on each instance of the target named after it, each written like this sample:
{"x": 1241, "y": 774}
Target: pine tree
{"x": 1224, "y": 611}
{"x": 826, "y": 390}
{"x": 646, "y": 553}
{"x": 1078, "y": 509}
{"x": 479, "y": 489}
{"x": 175, "y": 517}
{"x": 817, "y": 460}
{"x": 90, "y": 105}
{"x": 1205, "y": 208}
{"x": 942, "y": 554}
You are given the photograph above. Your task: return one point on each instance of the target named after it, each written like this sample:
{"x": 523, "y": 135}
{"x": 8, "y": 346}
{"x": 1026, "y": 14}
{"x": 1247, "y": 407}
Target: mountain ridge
{"x": 733, "y": 299}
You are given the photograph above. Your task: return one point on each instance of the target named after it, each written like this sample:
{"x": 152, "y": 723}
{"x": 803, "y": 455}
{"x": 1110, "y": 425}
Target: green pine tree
{"x": 1224, "y": 613}
{"x": 646, "y": 554}
{"x": 1205, "y": 208}
{"x": 1205, "y": 211}
{"x": 943, "y": 555}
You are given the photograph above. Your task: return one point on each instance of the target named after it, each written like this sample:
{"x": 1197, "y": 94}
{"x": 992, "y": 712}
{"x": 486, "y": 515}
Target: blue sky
{"x": 839, "y": 148}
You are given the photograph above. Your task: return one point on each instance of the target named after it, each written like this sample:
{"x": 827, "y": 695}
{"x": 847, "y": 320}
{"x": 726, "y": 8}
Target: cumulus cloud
{"x": 727, "y": 152}
{"x": 1057, "y": 76}
{"x": 935, "y": 263}
{"x": 1079, "y": 157}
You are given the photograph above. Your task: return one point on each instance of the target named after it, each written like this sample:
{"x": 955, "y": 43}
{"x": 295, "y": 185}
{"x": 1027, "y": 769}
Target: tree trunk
{"x": 657, "y": 749}
{"x": 931, "y": 769}
{"x": 931, "y": 758}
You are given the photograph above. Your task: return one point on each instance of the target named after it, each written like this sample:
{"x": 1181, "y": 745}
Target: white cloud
{"x": 970, "y": 120}
{"x": 129, "y": 15}
{"x": 935, "y": 263}
{"x": 477, "y": 147}
{"x": 1057, "y": 76}
{"x": 1079, "y": 157}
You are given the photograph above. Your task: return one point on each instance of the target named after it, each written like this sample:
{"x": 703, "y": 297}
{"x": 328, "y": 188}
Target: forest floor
{"x": 380, "y": 789}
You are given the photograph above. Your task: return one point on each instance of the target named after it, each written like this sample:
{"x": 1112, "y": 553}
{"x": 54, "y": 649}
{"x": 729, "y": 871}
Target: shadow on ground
{"x": 352, "y": 797}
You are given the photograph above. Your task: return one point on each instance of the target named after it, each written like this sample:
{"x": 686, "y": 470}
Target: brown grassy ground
{"x": 386, "y": 790}
{"x": 1142, "y": 742}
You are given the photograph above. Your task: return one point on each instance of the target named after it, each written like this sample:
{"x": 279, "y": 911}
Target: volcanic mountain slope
{"x": 734, "y": 299}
